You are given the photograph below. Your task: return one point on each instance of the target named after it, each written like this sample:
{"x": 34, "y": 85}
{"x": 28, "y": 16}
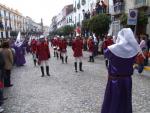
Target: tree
{"x": 99, "y": 24}
{"x": 67, "y": 30}
{"x": 85, "y": 24}
{"x": 142, "y": 21}
{"x": 123, "y": 19}
{"x": 142, "y": 18}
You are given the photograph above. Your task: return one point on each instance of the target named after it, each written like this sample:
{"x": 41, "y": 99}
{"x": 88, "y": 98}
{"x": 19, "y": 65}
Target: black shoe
{"x": 47, "y": 70}
{"x": 4, "y": 98}
{"x": 80, "y": 67}
{"x": 42, "y": 76}
{"x": 42, "y": 70}
{"x": 57, "y": 56}
{"x": 62, "y": 58}
{"x": 34, "y": 62}
{"x": 9, "y": 85}
{"x": 92, "y": 58}
{"x": 66, "y": 59}
{"x": 89, "y": 59}
{"x": 75, "y": 65}
{"x": 76, "y": 71}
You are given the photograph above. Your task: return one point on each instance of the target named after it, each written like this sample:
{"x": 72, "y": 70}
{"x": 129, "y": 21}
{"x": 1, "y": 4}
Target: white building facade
{"x": 13, "y": 21}
{"x": 118, "y": 8}
{"x": 70, "y": 19}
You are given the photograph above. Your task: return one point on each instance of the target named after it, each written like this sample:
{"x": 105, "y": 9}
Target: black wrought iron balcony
{"x": 78, "y": 5}
{"x": 1, "y": 26}
{"x": 141, "y": 3}
{"x": 119, "y": 8}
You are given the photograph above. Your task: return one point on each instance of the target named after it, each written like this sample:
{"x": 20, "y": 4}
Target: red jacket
{"x": 43, "y": 51}
{"x": 77, "y": 47}
{"x": 54, "y": 42}
{"x": 58, "y": 44}
{"x": 33, "y": 45}
{"x": 91, "y": 45}
{"x": 106, "y": 43}
{"x": 63, "y": 46}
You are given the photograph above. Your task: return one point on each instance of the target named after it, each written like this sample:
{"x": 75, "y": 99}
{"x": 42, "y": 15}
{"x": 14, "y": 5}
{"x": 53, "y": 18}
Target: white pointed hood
{"x": 18, "y": 42}
{"x": 126, "y": 45}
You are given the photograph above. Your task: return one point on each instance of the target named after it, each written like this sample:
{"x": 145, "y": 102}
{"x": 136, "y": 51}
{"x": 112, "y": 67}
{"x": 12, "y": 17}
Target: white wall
{"x": 129, "y": 4}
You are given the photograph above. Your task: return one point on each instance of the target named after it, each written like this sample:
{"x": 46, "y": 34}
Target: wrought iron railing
{"x": 119, "y": 7}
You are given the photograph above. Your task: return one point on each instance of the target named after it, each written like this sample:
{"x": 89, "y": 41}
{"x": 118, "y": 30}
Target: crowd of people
{"x": 100, "y": 8}
{"x": 123, "y": 49}
{"x": 11, "y": 52}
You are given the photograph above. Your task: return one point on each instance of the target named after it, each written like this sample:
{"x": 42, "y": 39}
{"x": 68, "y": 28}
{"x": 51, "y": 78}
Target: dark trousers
{"x": 141, "y": 68}
{"x": 7, "y": 78}
{"x": 1, "y": 97}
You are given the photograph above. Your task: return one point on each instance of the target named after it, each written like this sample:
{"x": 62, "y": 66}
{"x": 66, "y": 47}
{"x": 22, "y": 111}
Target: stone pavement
{"x": 66, "y": 91}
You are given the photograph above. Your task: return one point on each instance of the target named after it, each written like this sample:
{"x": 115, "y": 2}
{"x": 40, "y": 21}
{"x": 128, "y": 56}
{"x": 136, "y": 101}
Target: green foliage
{"x": 142, "y": 19}
{"x": 99, "y": 24}
{"x": 85, "y": 24}
{"x": 123, "y": 19}
{"x": 66, "y": 30}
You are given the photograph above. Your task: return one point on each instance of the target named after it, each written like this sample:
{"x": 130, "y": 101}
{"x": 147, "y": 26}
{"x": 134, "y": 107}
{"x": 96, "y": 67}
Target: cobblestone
{"x": 66, "y": 91}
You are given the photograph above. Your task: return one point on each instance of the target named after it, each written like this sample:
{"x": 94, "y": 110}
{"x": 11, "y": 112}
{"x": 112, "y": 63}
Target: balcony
{"x": 78, "y": 5}
{"x": 1, "y": 26}
{"x": 141, "y": 3}
{"x": 119, "y": 8}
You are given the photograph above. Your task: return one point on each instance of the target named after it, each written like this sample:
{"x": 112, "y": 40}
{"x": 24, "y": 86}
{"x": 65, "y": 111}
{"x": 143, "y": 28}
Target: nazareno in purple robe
{"x": 19, "y": 55}
{"x": 118, "y": 94}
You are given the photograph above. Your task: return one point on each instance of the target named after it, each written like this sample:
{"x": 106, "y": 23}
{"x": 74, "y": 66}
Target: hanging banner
{"x": 132, "y": 17}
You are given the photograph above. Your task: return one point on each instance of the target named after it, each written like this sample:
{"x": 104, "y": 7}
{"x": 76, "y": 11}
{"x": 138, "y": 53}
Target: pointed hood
{"x": 126, "y": 45}
{"x": 18, "y": 42}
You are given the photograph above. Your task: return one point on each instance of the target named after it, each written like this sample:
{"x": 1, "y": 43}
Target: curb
{"x": 147, "y": 68}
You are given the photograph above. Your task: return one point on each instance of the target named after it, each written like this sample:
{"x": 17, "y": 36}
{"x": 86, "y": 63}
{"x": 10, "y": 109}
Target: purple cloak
{"x": 118, "y": 94}
{"x": 19, "y": 55}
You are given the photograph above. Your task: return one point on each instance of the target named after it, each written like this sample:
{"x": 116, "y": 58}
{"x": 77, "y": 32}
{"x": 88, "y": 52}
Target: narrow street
{"x": 66, "y": 91}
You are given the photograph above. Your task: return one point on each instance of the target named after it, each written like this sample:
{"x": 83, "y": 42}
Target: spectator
{"x": 8, "y": 57}
{"x": 99, "y": 8}
{"x": 142, "y": 59}
{"x": 104, "y": 6}
{"x": 2, "y": 64}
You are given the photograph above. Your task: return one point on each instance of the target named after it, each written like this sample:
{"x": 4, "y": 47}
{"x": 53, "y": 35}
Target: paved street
{"x": 66, "y": 91}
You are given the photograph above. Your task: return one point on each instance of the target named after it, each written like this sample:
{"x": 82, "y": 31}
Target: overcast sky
{"x": 37, "y": 9}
